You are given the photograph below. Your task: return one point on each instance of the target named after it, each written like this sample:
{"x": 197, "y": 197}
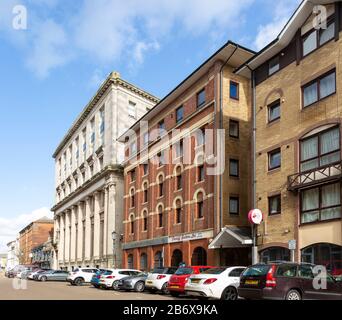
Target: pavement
{"x": 15, "y": 289}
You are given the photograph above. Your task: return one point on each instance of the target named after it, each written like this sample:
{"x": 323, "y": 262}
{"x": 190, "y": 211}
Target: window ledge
{"x": 272, "y": 171}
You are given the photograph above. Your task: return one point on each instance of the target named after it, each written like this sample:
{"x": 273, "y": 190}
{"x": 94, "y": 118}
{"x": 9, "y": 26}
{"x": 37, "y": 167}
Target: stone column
{"x": 80, "y": 232}
{"x": 61, "y": 246}
{"x": 96, "y": 225}
{"x": 56, "y": 239}
{"x": 87, "y": 229}
{"x": 67, "y": 237}
{"x": 105, "y": 231}
{"x": 111, "y": 222}
{"x": 73, "y": 234}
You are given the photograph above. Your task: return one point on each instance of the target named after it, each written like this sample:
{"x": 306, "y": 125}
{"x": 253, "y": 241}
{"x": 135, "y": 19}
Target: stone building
{"x": 89, "y": 178}
{"x": 34, "y": 234}
{"x": 178, "y": 205}
{"x": 297, "y": 84}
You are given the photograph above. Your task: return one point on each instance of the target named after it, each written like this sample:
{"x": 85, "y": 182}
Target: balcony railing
{"x": 314, "y": 176}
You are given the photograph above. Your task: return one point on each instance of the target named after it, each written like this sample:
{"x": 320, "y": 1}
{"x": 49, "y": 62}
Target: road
{"x": 12, "y": 289}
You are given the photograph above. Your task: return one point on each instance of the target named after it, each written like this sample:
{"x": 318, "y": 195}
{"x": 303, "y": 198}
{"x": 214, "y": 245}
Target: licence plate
{"x": 195, "y": 280}
{"x": 149, "y": 282}
{"x": 252, "y": 282}
{"x": 174, "y": 287}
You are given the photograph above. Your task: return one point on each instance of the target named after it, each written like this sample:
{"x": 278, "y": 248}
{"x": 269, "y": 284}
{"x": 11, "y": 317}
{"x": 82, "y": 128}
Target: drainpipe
{"x": 220, "y": 127}
{"x": 255, "y": 256}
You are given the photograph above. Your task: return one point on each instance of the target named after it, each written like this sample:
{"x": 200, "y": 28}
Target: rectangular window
{"x": 274, "y": 205}
{"x": 274, "y": 111}
{"x": 133, "y": 148}
{"x": 320, "y": 150}
{"x": 132, "y": 174}
{"x": 234, "y": 205}
{"x": 132, "y": 110}
{"x": 234, "y": 129}
{"x": 321, "y": 203}
{"x": 145, "y": 169}
{"x": 102, "y": 121}
{"x": 179, "y": 114}
{"x": 274, "y": 159}
{"x": 161, "y": 127}
{"x": 319, "y": 89}
{"x": 273, "y": 65}
{"x": 317, "y": 38}
{"x": 146, "y": 138}
{"x": 92, "y": 131}
{"x": 201, "y": 98}
{"x": 234, "y": 90}
{"x": 179, "y": 149}
{"x": 161, "y": 158}
{"x": 234, "y": 168}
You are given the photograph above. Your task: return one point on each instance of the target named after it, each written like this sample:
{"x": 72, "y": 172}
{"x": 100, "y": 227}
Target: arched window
{"x": 326, "y": 254}
{"x": 145, "y": 190}
{"x": 177, "y": 258}
{"x": 131, "y": 224}
{"x": 179, "y": 181}
{"x": 143, "y": 262}
{"x": 178, "y": 211}
{"x": 199, "y": 257}
{"x": 275, "y": 254}
{"x": 158, "y": 260}
{"x": 199, "y": 206}
{"x": 160, "y": 186}
{"x": 160, "y": 216}
{"x": 132, "y": 198}
{"x": 144, "y": 221}
{"x": 130, "y": 261}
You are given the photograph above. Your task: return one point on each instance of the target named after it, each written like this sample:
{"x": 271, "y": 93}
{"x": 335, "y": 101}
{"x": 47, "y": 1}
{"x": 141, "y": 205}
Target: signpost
{"x": 255, "y": 217}
{"x": 292, "y": 248}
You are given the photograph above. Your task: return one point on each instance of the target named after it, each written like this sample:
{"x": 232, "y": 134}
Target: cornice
{"x": 113, "y": 79}
{"x": 116, "y": 169}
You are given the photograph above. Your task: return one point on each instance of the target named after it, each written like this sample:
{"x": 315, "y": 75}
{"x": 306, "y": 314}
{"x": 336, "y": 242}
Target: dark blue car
{"x": 96, "y": 278}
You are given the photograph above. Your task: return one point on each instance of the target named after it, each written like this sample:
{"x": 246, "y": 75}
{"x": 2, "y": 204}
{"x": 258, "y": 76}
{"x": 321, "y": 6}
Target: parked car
{"x": 178, "y": 280}
{"x": 158, "y": 278}
{"x": 53, "y": 275}
{"x": 217, "y": 283}
{"x": 81, "y": 275}
{"x": 95, "y": 280}
{"x": 110, "y": 279}
{"x": 286, "y": 281}
{"x": 17, "y": 270}
{"x": 133, "y": 283}
{"x": 335, "y": 268}
{"x": 32, "y": 274}
{"x": 25, "y": 273}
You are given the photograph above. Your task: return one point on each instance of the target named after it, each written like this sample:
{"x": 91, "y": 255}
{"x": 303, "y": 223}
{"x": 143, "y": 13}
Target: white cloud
{"x": 10, "y": 227}
{"x": 281, "y": 14}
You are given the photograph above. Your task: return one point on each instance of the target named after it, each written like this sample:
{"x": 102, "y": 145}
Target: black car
{"x": 287, "y": 281}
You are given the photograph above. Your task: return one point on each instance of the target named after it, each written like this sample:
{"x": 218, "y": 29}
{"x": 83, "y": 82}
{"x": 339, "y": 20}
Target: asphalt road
{"x": 13, "y": 289}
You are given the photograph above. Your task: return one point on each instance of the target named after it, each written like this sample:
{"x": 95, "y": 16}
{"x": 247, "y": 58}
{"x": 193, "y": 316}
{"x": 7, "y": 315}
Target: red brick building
{"x": 33, "y": 235}
{"x": 173, "y": 203}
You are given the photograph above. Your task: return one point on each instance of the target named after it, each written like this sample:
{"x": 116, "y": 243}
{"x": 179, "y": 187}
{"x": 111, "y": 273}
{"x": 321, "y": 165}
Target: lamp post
{"x": 114, "y": 236}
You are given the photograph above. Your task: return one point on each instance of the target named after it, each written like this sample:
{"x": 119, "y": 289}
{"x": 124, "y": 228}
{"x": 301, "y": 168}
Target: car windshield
{"x": 214, "y": 271}
{"x": 158, "y": 270}
{"x": 142, "y": 274}
{"x": 258, "y": 270}
{"x": 107, "y": 273}
{"x": 183, "y": 271}
{"x": 76, "y": 270}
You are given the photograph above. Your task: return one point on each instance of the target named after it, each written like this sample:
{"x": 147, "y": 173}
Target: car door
{"x": 306, "y": 281}
{"x": 234, "y": 276}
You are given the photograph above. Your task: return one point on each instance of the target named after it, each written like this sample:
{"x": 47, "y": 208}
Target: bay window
{"x": 321, "y": 203}
{"x": 320, "y": 150}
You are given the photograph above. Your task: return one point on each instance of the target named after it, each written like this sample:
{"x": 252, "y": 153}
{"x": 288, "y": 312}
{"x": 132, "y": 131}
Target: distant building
{"x": 31, "y": 236}
{"x": 3, "y": 260}
{"x": 42, "y": 255}
{"x": 89, "y": 178}
{"x": 12, "y": 254}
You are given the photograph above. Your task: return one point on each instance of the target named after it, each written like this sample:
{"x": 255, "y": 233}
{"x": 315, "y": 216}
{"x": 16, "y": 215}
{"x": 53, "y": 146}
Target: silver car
{"x": 53, "y": 275}
{"x": 134, "y": 283}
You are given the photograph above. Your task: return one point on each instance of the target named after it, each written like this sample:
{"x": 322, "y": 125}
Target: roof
{"x": 232, "y": 237}
{"x": 41, "y": 220}
{"x": 284, "y": 38}
{"x": 113, "y": 78}
{"x": 228, "y": 50}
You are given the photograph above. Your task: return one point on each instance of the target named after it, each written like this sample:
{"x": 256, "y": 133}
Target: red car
{"x": 178, "y": 280}
{"x": 335, "y": 268}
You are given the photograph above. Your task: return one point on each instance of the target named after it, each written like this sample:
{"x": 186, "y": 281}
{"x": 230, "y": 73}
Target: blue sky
{"x": 49, "y": 71}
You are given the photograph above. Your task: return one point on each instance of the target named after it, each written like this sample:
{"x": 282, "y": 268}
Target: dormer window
{"x": 273, "y": 65}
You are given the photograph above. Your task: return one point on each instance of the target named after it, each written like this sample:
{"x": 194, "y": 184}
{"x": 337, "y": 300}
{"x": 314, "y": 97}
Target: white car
{"x": 158, "y": 278}
{"x": 110, "y": 279}
{"x": 35, "y": 273}
{"x": 81, "y": 275}
{"x": 217, "y": 283}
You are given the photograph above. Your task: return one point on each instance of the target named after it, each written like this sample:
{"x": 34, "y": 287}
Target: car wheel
{"x": 115, "y": 285}
{"x": 293, "y": 295}
{"x": 43, "y": 279}
{"x": 164, "y": 289}
{"x": 78, "y": 281}
{"x": 139, "y": 286}
{"x": 229, "y": 293}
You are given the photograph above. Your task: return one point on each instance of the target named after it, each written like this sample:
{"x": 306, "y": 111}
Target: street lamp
{"x": 114, "y": 236}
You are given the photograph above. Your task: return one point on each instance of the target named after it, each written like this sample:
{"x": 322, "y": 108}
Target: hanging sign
{"x": 255, "y": 216}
